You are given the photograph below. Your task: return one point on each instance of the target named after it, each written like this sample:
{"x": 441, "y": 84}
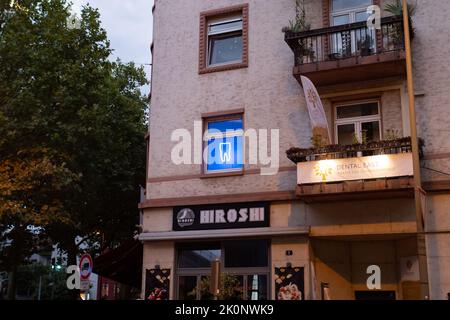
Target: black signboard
{"x": 222, "y": 216}
{"x": 290, "y": 283}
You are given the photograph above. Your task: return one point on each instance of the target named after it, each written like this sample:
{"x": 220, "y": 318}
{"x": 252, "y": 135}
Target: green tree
{"x": 72, "y": 126}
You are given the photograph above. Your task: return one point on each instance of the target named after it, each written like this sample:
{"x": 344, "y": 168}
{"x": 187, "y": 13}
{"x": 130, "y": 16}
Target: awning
{"x": 224, "y": 233}
{"x": 123, "y": 264}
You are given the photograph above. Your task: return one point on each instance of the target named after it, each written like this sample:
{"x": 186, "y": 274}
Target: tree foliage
{"x": 72, "y": 148}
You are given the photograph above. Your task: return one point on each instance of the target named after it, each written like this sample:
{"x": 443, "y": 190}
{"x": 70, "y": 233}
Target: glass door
{"x": 348, "y": 43}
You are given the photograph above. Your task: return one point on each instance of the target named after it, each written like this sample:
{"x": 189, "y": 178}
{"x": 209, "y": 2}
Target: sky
{"x": 129, "y": 25}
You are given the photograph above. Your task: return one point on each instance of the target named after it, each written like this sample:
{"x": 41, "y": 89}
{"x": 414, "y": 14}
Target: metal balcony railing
{"x": 346, "y": 41}
{"x": 401, "y": 145}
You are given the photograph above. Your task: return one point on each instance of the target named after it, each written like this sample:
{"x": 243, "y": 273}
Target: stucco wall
{"x": 271, "y": 96}
{"x": 438, "y": 244}
{"x": 431, "y": 76}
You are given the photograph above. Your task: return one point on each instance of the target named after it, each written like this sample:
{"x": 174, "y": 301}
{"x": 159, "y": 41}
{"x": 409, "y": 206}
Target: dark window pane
{"x": 225, "y": 48}
{"x": 257, "y": 287}
{"x": 357, "y": 110}
{"x": 187, "y": 288}
{"x": 346, "y": 134}
{"x": 199, "y": 256}
{"x": 371, "y": 130}
{"x": 248, "y": 253}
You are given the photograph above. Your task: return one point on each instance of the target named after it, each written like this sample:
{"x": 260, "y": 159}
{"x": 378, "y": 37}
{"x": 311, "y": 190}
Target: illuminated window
{"x": 224, "y": 143}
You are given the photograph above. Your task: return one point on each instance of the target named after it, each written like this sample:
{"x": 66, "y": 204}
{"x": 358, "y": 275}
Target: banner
{"x": 289, "y": 283}
{"x": 319, "y": 123}
{"x": 157, "y": 284}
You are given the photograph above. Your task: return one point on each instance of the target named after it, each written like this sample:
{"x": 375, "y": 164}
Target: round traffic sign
{"x": 86, "y": 265}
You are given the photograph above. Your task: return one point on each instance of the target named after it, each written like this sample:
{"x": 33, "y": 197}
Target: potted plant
{"x": 396, "y": 33}
{"x": 365, "y": 46}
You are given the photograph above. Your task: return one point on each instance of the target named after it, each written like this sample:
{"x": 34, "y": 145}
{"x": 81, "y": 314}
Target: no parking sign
{"x": 86, "y": 266}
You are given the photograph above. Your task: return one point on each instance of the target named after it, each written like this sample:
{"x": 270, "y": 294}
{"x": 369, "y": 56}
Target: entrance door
{"x": 244, "y": 270}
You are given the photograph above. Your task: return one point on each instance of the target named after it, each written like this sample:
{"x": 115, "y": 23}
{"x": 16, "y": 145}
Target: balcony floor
{"x": 354, "y": 69}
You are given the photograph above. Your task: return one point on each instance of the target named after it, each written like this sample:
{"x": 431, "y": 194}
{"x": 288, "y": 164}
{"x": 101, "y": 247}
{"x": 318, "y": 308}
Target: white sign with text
{"x": 360, "y": 168}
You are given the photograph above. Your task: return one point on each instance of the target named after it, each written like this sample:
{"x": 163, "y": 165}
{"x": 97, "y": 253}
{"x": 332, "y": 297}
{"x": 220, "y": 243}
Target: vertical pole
{"x": 40, "y": 286}
{"x": 416, "y": 161}
{"x": 215, "y": 278}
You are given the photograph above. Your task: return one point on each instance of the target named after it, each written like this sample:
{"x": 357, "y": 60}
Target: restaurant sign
{"x": 360, "y": 168}
{"x": 221, "y": 216}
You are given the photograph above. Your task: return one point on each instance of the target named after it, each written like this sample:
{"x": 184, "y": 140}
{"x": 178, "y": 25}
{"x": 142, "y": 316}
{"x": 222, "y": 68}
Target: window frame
{"x": 357, "y": 121}
{"x": 204, "y": 53}
{"x": 215, "y": 117}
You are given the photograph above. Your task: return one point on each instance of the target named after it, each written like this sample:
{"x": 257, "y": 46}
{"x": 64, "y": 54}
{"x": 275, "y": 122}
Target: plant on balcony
{"x": 317, "y": 141}
{"x": 391, "y": 134}
{"x": 338, "y": 151}
{"x": 396, "y": 9}
{"x": 365, "y": 46}
{"x": 299, "y": 24}
{"x": 306, "y": 52}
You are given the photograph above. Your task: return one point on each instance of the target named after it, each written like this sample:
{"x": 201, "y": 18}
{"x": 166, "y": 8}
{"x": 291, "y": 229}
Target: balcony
{"x": 349, "y": 53}
{"x": 382, "y": 169}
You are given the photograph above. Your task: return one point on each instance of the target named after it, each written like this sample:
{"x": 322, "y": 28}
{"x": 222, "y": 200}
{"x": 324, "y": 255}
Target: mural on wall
{"x": 157, "y": 284}
{"x": 289, "y": 283}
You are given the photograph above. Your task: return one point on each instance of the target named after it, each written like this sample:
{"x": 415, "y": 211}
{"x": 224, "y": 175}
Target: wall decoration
{"x": 157, "y": 284}
{"x": 290, "y": 283}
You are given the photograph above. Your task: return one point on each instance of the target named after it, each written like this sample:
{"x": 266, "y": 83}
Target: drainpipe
{"x": 421, "y": 245}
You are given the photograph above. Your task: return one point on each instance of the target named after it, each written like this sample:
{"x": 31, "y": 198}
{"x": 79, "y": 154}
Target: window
{"x": 199, "y": 256}
{"x": 244, "y": 267}
{"x": 357, "y": 122}
{"x": 243, "y": 254}
{"x": 350, "y": 11}
{"x": 224, "y": 39}
{"x": 224, "y": 144}
{"x": 225, "y": 42}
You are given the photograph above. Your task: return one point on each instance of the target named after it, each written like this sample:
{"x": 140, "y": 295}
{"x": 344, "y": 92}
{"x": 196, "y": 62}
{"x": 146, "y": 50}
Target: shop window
{"x": 187, "y": 288}
{"x": 247, "y": 279}
{"x": 357, "y": 122}
{"x": 224, "y": 39}
{"x": 242, "y": 254}
{"x": 198, "y": 256}
{"x": 257, "y": 287}
{"x": 224, "y": 139}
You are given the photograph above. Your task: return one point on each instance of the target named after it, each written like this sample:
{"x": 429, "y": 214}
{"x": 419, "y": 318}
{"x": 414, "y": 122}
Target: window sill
{"x": 221, "y": 174}
{"x": 225, "y": 67}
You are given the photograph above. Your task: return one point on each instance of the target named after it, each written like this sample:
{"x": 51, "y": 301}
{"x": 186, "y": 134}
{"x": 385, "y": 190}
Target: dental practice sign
{"x": 360, "y": 168}
{"x": 221, "y": 216}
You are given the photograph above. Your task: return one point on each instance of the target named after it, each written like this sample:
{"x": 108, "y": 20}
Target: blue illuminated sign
{"x": 225, "y": 145}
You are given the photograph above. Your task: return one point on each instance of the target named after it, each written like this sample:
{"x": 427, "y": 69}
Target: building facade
{"x": 226, "y": 82}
